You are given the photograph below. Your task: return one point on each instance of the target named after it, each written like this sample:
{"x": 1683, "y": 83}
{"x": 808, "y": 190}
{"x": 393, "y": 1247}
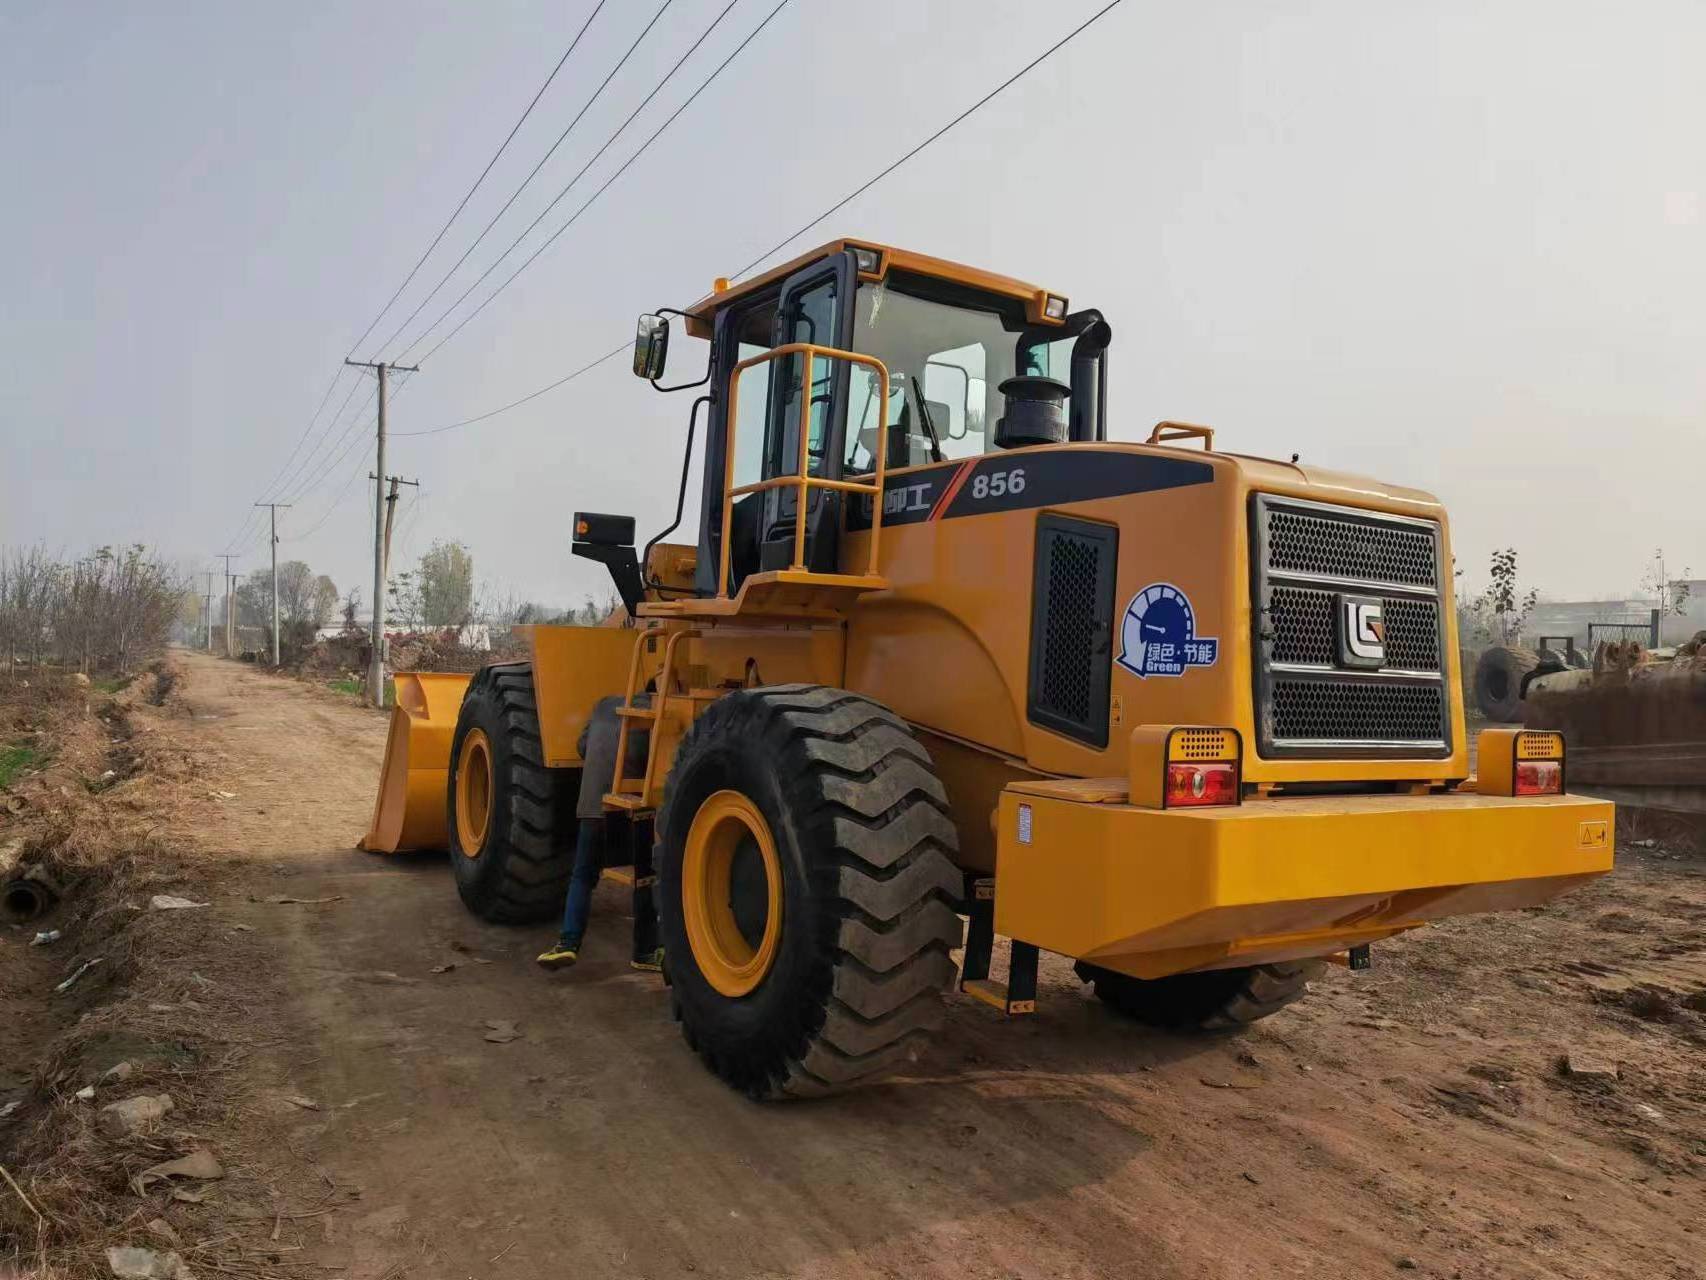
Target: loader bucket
{"x": 410, "y": 812}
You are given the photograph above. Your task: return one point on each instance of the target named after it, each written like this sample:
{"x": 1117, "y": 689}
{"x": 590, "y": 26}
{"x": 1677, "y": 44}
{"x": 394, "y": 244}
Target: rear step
{"x": 1016, "y": 996}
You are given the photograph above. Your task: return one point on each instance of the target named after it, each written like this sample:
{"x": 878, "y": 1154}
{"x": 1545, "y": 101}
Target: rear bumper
{"x": 1152, "y": 892}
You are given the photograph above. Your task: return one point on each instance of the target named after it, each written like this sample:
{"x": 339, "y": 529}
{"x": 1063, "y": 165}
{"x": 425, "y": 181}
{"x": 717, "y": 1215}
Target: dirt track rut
{"x": 1408, "y": 1115}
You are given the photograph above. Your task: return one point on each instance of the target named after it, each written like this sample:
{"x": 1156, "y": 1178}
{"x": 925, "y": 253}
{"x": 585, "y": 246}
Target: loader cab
{"x": 974, "y": 361}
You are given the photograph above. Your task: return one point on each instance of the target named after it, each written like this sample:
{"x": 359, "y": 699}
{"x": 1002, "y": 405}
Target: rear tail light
{"x": 1520, "y": 762}
{"x": 1539, "y": 778}
{"x": 1201, "y": 784}
{"x": 1185, "y": 766}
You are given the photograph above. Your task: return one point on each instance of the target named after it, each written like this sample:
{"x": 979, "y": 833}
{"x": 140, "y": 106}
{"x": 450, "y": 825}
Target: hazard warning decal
{"x": 1159, "y": 634}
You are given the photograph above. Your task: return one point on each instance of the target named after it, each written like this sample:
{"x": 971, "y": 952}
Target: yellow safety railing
{"x": 803, "y": 482}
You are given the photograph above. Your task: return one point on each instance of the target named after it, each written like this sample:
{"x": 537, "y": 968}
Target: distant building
{"x": 1559, "y": 618}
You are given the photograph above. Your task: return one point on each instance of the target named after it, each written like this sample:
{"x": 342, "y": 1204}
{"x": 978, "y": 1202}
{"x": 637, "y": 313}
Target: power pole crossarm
{"x": 376, "y": 664}
{"x": 273, "y": 507}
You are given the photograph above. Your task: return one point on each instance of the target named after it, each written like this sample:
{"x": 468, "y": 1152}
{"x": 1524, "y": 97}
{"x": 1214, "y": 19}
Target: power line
{"x": 421, "y": 306}
{"x": 354, "y": 436}
{"x": 327, "y": 433}
{"x": 502, "y": 147}
{"x": 283, "y": 483}
{"x": 591, "y": 200}
{"x": 306, "y": 431}
{"x": 321, "y": 408}
{"x": 840, "y": 204}
{"x": 351, "y": 436}
{"x": 981, "y": 102}
{"x": 343, "y": 496}
{"x": 569, "y": 186}
{"x": 866, "y": 186}
{"x": 532, "y": 395}
{"x": 281, "y": 477}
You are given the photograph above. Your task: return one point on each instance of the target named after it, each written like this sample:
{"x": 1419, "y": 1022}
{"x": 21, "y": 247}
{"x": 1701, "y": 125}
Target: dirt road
{"x": 1409, "y": 1118}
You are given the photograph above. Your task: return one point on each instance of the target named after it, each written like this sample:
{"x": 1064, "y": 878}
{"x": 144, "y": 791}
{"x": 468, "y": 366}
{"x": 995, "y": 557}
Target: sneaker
{"x": 652, "y": 963}
{"x": 560, "y": 955}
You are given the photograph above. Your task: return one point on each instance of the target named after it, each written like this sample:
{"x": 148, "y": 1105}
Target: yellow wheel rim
{"x": 727, "y": 825}
{"x": 473, "y": 792}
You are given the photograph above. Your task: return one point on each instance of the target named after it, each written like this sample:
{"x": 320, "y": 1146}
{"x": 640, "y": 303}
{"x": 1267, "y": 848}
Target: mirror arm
{"x": 684, "y": 386}
{"x": 681, "y": 494}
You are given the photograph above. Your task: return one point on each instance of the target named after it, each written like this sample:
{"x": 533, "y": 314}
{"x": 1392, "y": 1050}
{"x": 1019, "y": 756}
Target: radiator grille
{"x": 1300, "y": 620}
{"x": 1350, "y": 546}
{"x": 1072, "y": 604}
{"x": 1412, "y": 634}
{"x": 1316, "y": 567}
{"x": 1331, "y": 711}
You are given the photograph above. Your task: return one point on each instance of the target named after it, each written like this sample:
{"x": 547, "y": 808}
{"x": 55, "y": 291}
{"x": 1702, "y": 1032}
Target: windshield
{"x": 948, "y": 350}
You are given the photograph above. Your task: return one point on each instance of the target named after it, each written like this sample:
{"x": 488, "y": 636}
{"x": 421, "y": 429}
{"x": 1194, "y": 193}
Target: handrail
{"x": 1166, "y": 431}
{"x": 802, "y": 480}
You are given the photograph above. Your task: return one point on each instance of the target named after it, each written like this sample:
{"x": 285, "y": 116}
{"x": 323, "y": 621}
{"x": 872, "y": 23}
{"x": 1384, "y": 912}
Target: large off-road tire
{"x": 1499, "y": 683}
{"x": 807, "y": 890}
{"x": 512, "y": 820}
{"x": 1215, "y": 1000}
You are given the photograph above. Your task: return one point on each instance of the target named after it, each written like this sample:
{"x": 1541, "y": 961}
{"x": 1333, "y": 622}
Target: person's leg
{"x": 648, "y": 955}
{"x": 589, "y": 861}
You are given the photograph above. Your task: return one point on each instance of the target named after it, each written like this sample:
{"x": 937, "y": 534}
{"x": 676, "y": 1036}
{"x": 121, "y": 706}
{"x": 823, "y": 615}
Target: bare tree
{"x": 109, "y": 609}
{"x": 143, "y": 599}
{"x": 403, "y": 600}
{"x": 1505, "y": 600}
{"x": 1670, "y": 596}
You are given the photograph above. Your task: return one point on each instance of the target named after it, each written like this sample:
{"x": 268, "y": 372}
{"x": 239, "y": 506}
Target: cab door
{"x": 816, "y": 306}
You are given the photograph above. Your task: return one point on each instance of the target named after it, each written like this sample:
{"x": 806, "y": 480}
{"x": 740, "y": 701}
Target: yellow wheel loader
{"x": 943, "y": 653}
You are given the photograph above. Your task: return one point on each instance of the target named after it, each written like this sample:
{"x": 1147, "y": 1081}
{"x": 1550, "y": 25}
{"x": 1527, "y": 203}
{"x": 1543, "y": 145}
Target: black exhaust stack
{"x": 1035, "y": 414}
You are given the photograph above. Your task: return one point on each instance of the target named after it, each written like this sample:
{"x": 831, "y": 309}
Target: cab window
{"x": 752, "y": 391}
{"x": 947, "y": 350}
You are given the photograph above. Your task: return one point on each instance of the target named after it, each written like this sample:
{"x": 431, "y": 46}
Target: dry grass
{"x": 174, "y": 995}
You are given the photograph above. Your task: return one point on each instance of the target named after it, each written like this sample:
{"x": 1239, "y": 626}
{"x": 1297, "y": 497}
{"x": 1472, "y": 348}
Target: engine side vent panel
{"x": 1072, "y": 627}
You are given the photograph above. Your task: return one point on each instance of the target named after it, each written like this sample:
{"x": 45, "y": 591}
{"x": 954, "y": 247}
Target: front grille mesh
{"x": 1300, "y": 621}
{"x": 1350, "y": 547}
{"x": 1302, "y": 625}
{"x": 1313, "y": 561}
{"x": 1331, "y": 711}
{"x": 1412, "y": 635}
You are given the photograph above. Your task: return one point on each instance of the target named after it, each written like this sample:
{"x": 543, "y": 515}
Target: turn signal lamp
{"x": 1201, "y": 784}
{"x": 1520, "y": 762}
{"x": 1539, "y": 777}
{"x": 1186, "y": 766}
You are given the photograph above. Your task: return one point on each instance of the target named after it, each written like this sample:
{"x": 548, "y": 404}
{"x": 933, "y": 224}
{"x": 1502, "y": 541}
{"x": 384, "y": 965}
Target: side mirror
{"x": 651, "y": 347}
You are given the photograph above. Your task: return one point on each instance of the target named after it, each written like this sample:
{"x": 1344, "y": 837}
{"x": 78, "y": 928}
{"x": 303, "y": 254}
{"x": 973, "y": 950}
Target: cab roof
{"x": 701, "y": 314}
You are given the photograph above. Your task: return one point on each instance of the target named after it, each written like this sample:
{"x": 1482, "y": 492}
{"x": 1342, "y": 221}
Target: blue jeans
{"x": 589, "y": 862}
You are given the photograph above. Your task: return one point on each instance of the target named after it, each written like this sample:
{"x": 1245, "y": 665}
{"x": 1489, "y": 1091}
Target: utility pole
{"x": 210, "y": 610}
{"x": 391, "y": 511}
{"x": 273, "y": 508}
{"x": 376, "y": 664}
{"x": 230, "y": 601}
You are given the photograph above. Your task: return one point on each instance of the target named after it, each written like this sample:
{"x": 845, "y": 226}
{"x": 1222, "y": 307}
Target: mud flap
{"x": 410, "y": 810}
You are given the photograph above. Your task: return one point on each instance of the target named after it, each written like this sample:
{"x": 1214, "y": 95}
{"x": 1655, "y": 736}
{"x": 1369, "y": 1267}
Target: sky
{"x": 1457, "y": 246}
